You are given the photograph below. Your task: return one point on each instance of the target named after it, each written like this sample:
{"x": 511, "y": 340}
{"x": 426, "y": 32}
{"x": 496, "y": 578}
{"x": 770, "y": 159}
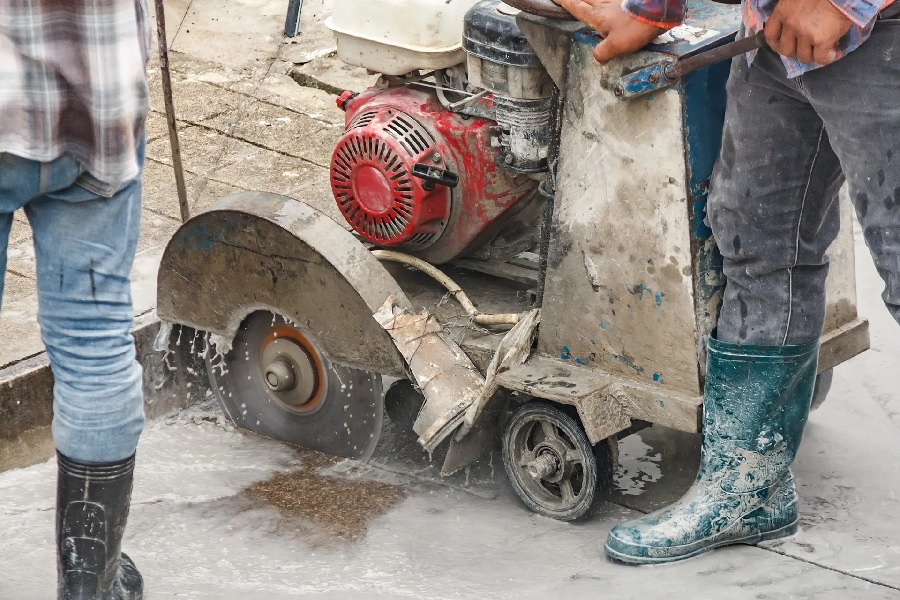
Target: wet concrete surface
{"x": 202, "y": 528}
{"x": 203, "y": 525}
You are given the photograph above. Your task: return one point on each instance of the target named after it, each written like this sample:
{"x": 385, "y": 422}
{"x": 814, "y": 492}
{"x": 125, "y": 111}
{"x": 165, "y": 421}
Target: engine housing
{"x": 372, "y": 181}
{"x": 387, "y": 133}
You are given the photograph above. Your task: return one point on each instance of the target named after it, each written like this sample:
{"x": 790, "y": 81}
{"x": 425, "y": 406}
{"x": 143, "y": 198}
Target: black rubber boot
{"x": 92, "y": 502}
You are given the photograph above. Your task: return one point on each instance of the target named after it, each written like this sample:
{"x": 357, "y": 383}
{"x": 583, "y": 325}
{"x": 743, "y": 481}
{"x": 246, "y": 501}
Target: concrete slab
{"x": 16, "y": 286}
{"x": 201, "y": 149}
{"x": 315, "y": 190}
{"x": 211, "y": 193}
{"x": 20, "y": 229}
{"x": 286, "y": 131}
{"x": 241, "y": 79}
{"x": 237, "y": 33}
{"x": 156, "y": 127}
{"x": 256, "y": 168}
{"x": 19, "y": 325}
{"x": 282, "y": 90}
{"x": 160, "y": 193}
{"x": 20, "y": 250}
{"x": 314, "y": 39}
{"x": 199, "y": 102}
{"x": 20, "y": 258}
{"x": 154, "y": 80}
{"x": 196, "y": 532}
{"x": 175, "y": 13}
{"x": 330, "y": 74}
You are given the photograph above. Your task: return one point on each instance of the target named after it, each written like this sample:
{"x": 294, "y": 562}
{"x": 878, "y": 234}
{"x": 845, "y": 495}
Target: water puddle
{"x": 639, "y": 465}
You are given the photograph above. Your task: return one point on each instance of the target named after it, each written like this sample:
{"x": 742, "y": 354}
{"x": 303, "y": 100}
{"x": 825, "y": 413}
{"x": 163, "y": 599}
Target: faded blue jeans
{"x": 85, "y": 238}
{"x": 788, "y": 147}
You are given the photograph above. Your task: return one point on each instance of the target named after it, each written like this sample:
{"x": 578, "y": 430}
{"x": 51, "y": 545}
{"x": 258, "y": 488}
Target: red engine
{"x": 409, "y": 174}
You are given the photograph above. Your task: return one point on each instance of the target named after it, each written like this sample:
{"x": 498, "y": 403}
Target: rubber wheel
{"x": 823, "y": 386}
{"x": 550, "y": 462}
{"x": 276, "y": 382}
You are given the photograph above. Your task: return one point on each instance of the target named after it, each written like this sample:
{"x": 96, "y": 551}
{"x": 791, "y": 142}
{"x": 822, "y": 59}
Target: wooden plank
{"x": 843, "y": 343}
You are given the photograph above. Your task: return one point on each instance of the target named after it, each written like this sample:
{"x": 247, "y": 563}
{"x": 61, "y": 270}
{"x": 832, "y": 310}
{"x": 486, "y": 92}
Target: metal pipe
{"x": 711, "y": 57}
{"x": 292, "y": 21}
{"x": 170, "y": 111}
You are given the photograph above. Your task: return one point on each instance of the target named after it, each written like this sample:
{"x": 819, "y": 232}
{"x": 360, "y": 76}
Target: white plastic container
{"x": 395, "y": 37}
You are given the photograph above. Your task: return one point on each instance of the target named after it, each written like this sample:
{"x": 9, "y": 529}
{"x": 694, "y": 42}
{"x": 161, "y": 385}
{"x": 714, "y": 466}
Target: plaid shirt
{"x": 73, "y": 82}
{"x": 669, "y": 13}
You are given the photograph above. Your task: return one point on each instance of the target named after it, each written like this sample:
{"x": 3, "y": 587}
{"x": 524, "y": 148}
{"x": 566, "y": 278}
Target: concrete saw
{"x": 275, "y": 381}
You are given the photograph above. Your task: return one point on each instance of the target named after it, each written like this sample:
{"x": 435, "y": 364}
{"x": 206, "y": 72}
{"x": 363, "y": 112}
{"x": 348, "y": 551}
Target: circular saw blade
{"x": 343, "y": 416}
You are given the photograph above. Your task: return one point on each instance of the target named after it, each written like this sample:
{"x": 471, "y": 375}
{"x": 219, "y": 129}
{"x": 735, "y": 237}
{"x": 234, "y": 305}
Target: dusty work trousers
{"x": 787, "y": 148}
{"x": 85, "y": 238}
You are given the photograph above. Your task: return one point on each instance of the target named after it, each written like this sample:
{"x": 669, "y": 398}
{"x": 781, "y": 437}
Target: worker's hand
{"x": 621, "y": 33}
{"x": 808, "y": 30}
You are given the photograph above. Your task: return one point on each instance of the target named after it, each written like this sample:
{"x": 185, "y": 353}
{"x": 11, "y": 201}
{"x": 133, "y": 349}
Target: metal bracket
{"x": 662, "y": 75}
{"x": 645, "y": 81}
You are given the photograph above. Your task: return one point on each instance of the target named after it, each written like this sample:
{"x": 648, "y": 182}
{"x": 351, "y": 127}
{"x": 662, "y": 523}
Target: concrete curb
{"x": 171, "y": 382}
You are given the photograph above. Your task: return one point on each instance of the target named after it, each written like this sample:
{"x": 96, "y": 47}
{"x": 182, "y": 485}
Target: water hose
{"x": 451, "y": 286}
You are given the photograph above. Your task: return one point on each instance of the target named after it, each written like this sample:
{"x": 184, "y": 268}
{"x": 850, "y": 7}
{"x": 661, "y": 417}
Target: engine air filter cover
{"x": 491, "y": 33}
{"x": 372, "y": 181}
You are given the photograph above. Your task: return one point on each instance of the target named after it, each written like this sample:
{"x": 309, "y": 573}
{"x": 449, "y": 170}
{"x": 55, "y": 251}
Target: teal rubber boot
{"x": 754, "y": 412}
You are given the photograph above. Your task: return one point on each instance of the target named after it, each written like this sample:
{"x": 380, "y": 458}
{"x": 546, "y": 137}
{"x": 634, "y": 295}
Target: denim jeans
{"x": 85, "y": 238}
{"x": 788, "y": 147}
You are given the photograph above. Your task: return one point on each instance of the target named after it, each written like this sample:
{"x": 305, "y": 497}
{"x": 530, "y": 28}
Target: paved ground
{"x": 212, "y": 517}
{"x": 203, "y": 525}
{"x": 245, "y": 124}
{"x": 219, "y": 514}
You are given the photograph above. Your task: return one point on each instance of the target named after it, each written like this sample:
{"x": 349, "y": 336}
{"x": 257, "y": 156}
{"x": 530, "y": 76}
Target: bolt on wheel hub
{"x": 543, "y": 466}
{"x": 290, "y": 371}
{"x": 550, "y": 461}
{"x": 280, "y": 376}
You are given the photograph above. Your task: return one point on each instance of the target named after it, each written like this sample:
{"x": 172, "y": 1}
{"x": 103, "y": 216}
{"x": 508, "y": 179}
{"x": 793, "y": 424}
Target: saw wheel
{"x": 276, "y": 382}
{"x": 551, "y": 464}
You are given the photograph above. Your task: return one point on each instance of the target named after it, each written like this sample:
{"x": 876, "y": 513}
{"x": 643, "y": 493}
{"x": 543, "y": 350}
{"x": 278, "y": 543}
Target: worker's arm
{"x": 809, "y": 30}
{"x": 626, "y": 26}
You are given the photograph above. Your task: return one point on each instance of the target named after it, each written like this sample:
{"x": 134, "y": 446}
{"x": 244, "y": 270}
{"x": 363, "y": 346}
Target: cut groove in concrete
{"x": 306, "y": 80}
